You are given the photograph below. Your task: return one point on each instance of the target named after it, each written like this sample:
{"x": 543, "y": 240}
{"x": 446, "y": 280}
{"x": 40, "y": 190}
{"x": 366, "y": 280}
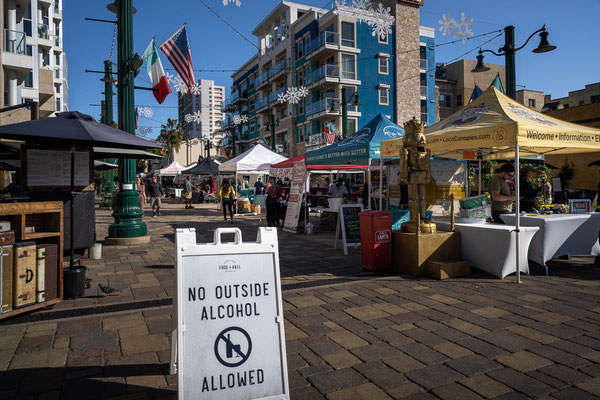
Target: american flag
{"x": 329, "y": 133}
{"x": 177, "y": 50}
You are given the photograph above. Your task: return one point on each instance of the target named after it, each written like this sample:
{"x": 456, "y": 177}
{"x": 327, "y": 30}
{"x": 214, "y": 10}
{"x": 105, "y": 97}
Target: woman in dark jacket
{"x": 528, "y": 192}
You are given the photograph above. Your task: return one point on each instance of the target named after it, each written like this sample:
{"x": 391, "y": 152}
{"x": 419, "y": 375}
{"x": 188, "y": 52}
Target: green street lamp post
{"x": 108, "y": 183}
{"x": 508, "y": 51}
{"x": 127, "y": 214}
{"x": 344, "y": 104}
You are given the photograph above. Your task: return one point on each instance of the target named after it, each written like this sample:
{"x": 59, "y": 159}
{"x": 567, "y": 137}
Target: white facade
{"x": 33, "y": 62}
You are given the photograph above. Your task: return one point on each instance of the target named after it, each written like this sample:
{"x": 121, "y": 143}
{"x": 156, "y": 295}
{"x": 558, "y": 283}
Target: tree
{"x": 171, "y": 135}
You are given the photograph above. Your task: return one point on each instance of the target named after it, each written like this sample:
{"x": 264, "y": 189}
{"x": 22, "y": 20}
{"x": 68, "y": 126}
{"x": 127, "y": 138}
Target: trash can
{"x": 376, "y": 239}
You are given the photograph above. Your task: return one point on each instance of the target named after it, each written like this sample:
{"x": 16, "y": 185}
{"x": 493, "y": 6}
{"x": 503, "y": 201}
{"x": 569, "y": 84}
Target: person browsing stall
{"x": 338, "y": 190}
{"x": 527, "y": 191}
{"x": 187, "y": 192}
{"x": 274, "y": 195}
{"x": 502, "y": 198}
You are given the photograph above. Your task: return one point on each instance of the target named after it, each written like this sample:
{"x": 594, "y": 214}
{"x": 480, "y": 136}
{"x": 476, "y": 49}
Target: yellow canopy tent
{"x": 494, "y": 126}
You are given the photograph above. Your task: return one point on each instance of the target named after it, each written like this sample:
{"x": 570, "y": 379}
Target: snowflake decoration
{"x": 237, "y": 2}
{"x": 195, "y": 89}
{"x": 459, "y": 30}
{"x": 146, "y": 112}
{"x": 177, "y": 83}
{"x": 380, "y": 18}
{"x": 240, "y": 119}
{"x": 381, "y": 21}
{"x": 447, "y": 24}
{"x": 143, "y": 131}
{"x": 293, "y": 95}
{"x": 195, "y": 117}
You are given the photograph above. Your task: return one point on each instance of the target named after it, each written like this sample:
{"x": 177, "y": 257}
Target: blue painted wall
{"x": 430, "y": 78}
{"x": 367, "y": 67}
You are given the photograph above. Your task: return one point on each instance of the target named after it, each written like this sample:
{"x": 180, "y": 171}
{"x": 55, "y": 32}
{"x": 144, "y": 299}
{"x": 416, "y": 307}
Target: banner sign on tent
{"x": 295, "y": 198}
{"x": 229, "y": 342}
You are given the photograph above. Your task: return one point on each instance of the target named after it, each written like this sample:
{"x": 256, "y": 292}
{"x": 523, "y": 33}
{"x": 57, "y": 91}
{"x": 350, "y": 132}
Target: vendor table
{"x": 491, "y": 247}
{"x": 174, "y": 192}
{"x": 560, "y": 234}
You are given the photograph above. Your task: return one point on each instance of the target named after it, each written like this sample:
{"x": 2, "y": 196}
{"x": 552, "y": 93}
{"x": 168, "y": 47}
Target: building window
{"x": 307, "y": 42}
{"x": 27, "y": 25}
{"x": 57, "y": 88}
{"x": 384, "y": 65}
{"x": 581, "y": 102}
{"x": 531, "y": 103}
{"x": 58, "y": 105}
{"x": 251, "y": 80}
{"x": 595, "y": 99}
{"x": 29, "y": 80}
{"x": 348, "y": 66}
{"x": 459, "y": 101}
{"x": 351, "y": 126}
{"x": 57, "y": 59}
{"x": 384, "y": 96}
{"x": 300, "y": 77}
{"x": 301, "y": 133}
{"x": 251, "y": 106}
{"x": 301, "y": 107}
{"x": 445, "y": 100}
{"x": 299, "y": 49}
{"x": 383, "y": 38}
{"x": 28, "y": 50}
{"x": 252, "y": 126}
{"x": 347, "y": 34}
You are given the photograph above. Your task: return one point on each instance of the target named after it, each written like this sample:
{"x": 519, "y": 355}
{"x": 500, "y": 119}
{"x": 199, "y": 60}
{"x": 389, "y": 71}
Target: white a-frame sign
{"x": 229, "y": 341}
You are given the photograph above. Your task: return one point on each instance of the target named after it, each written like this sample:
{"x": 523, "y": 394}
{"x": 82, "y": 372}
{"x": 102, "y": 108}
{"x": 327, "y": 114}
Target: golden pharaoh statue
{"x": 415, "y": 171}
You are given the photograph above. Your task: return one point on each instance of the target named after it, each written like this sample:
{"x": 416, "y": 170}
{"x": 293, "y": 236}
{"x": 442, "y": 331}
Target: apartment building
{"x": 208, "y": 101}
{"x": 34, "y": 65}
{"x": 330, "y": 55}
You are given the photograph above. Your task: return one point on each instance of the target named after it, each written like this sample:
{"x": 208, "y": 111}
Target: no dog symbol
{"x": 233, "y": 347}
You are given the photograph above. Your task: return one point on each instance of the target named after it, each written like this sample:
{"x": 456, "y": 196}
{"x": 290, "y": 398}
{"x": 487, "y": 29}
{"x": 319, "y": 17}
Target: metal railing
{"x": 43, "y": 31}
{"x": 424, "y": 91}
{"x": 234, "y": 95}
{"x": 322, "y": 40}
{"x": 261, "y": 103}
{"x": 262, "y": 78}
{"x": 423, "y": 64}
{"x": 315, "y": 139}
{"x": 320, "y": 106}
{"x": 14, "y": 42}
{"x": 326, "y": 71}
{"x": 273, "y": 96}
{"x": 277, "y": 68}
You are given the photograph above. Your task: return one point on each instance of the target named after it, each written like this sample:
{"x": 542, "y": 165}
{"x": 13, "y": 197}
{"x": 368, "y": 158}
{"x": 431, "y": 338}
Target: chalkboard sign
{"x": 349, "y": 225}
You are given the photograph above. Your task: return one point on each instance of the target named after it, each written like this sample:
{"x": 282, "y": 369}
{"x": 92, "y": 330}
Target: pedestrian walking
{"x": 274, "y": 194}
{"x": 141, "y": 189}
{"x": 156, "y": 192}
{"x": 187, "y": 192}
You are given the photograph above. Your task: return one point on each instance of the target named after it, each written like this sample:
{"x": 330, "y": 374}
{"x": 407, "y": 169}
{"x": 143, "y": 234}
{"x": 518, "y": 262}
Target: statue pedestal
{"x": 410, "y": 252}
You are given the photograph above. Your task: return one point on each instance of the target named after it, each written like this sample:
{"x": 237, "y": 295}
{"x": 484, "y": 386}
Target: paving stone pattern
{"x": 349, "y": 334}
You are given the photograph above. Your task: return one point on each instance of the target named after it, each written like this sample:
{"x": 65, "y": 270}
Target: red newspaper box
{"x": 376, "y": 239}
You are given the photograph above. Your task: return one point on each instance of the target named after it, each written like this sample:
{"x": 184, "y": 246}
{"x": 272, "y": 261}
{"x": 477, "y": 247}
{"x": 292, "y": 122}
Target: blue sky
{"x": 214, "y": 46}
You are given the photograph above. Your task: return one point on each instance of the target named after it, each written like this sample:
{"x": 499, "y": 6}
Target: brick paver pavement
{"x": 349, "y": 334}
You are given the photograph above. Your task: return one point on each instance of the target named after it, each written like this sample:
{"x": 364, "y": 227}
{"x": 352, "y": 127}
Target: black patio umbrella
{"x": 73, "y": 129}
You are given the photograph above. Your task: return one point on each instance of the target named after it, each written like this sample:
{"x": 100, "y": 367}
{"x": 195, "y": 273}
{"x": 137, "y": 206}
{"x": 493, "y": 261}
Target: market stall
{"x": 359, "y": 149}
{"x": 495, "y": 126}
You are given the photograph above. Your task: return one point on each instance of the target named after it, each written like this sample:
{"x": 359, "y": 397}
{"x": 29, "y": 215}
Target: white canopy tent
{"x": 255, "y": 161}
{"x": 171, "y": 170}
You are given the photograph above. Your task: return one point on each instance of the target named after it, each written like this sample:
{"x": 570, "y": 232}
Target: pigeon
{"x": 107, "y": 290}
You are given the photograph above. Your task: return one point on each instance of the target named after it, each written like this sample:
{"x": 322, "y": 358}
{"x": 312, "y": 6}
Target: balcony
{"x": 239, "y": 96}
{"x": 273, "y": 96}
{"x": 227, "y": 106}
{"x": 57, "y": 43}
{"x": 315, "y": 139}
{"x": 15, "y": 54}
{"x": 227, "y": 124}
{"x": 261, "y": 104}
{"x": 329, "y": 75}
{"x": 57, "y": 11}
{"x": 261, "y": 80}
{"x": 44, "y": 38}
{"x": 276, "y": 69}
{"x": 327, "y": 43}
{"x": 423, "y": 65}
{"x": 424, "y": 92}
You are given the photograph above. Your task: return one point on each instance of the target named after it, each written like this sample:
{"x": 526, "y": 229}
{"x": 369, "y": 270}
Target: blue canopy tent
{"x": 360, "y": 148}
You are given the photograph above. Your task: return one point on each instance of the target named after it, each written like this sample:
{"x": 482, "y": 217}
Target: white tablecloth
{"x": 560, "y": 234}
{"x": 492, "y": 247}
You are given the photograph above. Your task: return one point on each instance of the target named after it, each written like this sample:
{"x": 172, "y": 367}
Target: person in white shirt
{"x": 338, "y": 190}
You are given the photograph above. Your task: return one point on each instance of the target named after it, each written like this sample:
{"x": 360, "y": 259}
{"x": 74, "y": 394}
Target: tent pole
{"x": 479, "y": 173}
{"x": 380, "y": 182}
{"x": 517, "y": 211}
{"x": 387, "y": 186}
{"x": 370, "y": 184}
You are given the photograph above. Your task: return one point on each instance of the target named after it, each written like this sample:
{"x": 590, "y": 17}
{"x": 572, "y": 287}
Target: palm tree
{"x": 171, "y": 135}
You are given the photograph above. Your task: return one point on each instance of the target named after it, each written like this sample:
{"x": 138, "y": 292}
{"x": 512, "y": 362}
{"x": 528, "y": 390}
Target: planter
{"x": 74, "y": 283}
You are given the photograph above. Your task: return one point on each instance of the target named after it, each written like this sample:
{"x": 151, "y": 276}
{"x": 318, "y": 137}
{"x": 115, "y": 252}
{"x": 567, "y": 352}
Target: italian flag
{"x": 156, "y": 73}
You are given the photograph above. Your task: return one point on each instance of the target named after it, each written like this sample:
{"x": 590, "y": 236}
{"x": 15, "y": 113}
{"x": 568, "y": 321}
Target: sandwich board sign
{"x": 349, "y": 226}
{"x": 229, "y": 341}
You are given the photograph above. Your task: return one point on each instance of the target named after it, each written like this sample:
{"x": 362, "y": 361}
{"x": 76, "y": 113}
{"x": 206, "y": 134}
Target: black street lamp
{"x": 344, "y": 103}
{"x": 272, "y": 124}
{"x": 508, "y": 51}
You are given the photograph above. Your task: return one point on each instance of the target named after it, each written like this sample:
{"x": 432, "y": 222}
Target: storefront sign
{"x": 295, "y": 198}
{"x": 349, "y": 225}
{"x": 229, "y": 341}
